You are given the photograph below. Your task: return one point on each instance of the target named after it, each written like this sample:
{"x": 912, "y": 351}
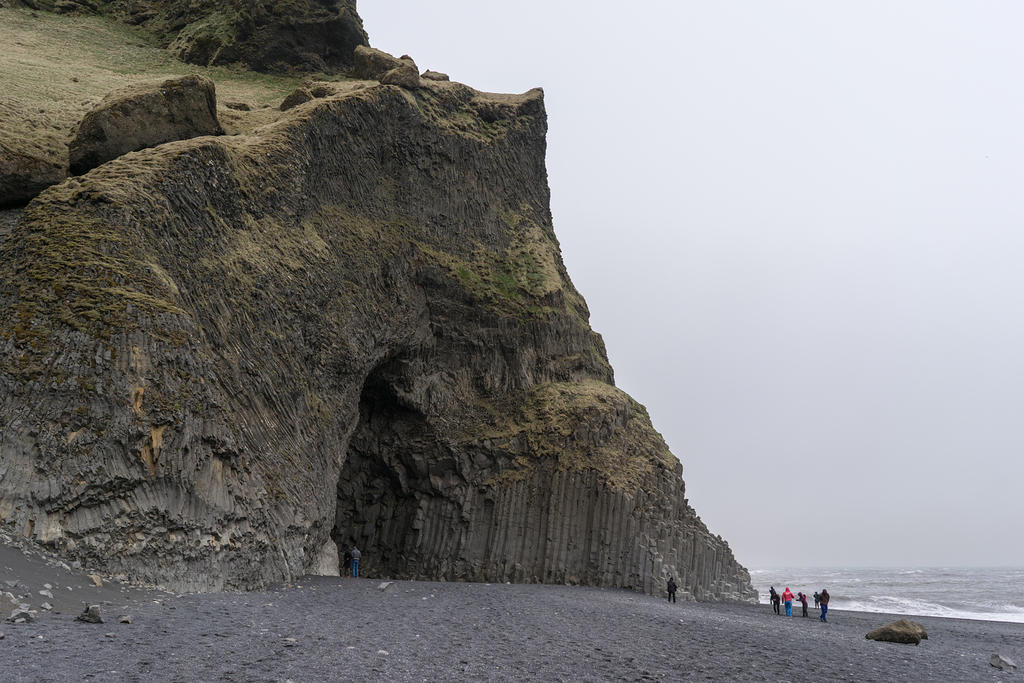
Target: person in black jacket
{"x": 671, "y": 589}
{"x": 803, "y": 601}
{"x": 776, "y": 600}
{"x": 823, "y": 598}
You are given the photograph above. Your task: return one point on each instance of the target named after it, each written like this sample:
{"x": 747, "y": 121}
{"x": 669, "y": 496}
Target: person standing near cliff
{"x": 803, "y": 601}
{"x": 671, "y": 589}
{"x": 787, "y": 597}
{"x": 774, "y": 597}
{"x": 355, "y": 562}
{"x": 823, "y": 601}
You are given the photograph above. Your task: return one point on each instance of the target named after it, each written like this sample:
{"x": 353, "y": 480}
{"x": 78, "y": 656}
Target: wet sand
{"x": 416, "y": 631}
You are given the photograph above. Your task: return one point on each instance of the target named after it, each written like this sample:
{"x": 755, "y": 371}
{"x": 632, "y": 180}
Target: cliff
{"x": 221, "y": 358}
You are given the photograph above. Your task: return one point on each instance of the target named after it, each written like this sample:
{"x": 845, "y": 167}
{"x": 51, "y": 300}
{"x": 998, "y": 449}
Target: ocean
{"x": 991, "y": 594}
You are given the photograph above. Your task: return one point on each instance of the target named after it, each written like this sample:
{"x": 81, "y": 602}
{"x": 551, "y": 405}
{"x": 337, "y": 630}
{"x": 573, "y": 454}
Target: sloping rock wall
{"x": 222, "y": 356}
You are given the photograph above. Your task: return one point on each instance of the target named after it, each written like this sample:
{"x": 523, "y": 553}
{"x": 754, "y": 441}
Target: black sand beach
{"x": 333, "y": 629}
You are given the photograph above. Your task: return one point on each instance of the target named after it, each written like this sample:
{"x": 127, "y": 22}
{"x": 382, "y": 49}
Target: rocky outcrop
{"x": 406, "y": 76}
{"x": 371, "y": 64}
{"x": 222, "y": 358}
{"x": 900, "y": 631}
{"x": 265, "y": 35}
{"x": 24, "y": 175}
{"x": 434, "y": 76}
{"x": 145, "y": 116}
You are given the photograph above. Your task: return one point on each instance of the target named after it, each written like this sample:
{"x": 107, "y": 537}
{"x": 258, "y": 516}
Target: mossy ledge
{"x": 223, "y": 356}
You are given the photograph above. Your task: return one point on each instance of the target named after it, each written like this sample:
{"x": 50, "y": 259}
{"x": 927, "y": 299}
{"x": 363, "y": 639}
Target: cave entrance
{"x": 384, "y": 490}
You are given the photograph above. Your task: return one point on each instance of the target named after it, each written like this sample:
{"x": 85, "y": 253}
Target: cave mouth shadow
{"x": 385, "y": 479}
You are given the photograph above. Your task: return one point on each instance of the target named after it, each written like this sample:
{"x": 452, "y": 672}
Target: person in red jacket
{"x": 787, "y": 597}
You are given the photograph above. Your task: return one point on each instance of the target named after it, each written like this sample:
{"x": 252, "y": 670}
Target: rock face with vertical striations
{"x": 223, "y": 359}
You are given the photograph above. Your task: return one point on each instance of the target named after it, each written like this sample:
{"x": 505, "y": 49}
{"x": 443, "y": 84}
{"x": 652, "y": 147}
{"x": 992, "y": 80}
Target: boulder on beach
{"x": 1002, "y": 663}
{"x": 90, "y": 615}
{"x": 902, "y": 631}
{"x": 144, "y": 116}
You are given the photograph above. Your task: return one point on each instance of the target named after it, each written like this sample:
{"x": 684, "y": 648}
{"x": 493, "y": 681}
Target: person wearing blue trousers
{"x": 787, "y": 599}
{"x": 355, "y": 562}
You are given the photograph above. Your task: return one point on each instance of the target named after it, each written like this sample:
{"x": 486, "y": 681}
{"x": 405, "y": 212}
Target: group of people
{"x": 820, "y": 600}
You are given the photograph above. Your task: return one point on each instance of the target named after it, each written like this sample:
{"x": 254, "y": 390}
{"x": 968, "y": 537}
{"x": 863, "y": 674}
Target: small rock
{"x": 434, "y": 76}
{"x": 290, "y": 642}
{"x": 109, "y": 635}
{"x": 96, "y": 580}
{"x": 385, "y": 585}
{"x": 2, "y": 636}
{"x": 124, "y": 619}
{"x": 295, "y": 98}
{"x": 46, "y": 606}
{"x": 76, "y": 564}
{"x": 90, "y": 615}
{"x": 47, "y": 586}
{"x": 21, "y": 616}
{"x": 383, "y": 652}
{"x": 46, "y": 594}
{"x": 1002, "y": 663}
{"x": 11, "y": 584}
{"x": 238, "y": 106}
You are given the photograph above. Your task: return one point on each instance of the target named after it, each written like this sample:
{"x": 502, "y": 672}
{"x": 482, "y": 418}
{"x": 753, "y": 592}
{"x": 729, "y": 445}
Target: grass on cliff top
{"x": 585, "y": 425}
{"x": 54, "y": 68}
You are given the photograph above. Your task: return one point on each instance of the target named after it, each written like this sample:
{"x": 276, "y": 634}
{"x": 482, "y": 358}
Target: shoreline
{"x": 323, "y": 628}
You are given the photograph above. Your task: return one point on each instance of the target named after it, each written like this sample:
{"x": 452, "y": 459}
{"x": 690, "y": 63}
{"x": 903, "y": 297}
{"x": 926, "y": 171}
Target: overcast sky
{"x": 798, "y": 226}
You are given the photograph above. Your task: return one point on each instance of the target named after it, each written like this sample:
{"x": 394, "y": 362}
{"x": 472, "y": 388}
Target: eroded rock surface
{"x": 145, "y": 116}
{"x": 265, "y": 35}
{"x": 222, "y": 356}
{"x": 24, "y": 174}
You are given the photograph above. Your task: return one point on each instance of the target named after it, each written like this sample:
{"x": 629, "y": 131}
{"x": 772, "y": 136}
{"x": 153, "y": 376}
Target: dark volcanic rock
{"x": 295, "y": 98}
{"x": 901, "y": 631}
{"x": 371, "y": 63}
{"x": 24, "y": 175}
{"x": 406, "y": 76}
{"x": 434, "y": 75}
{"x": 90, "y": 615}
{"x": 1002, "y": 663}
{"x": 222, "y": 358}
{"x": 265, "y": 35}
{"x": 145, "y": 116}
